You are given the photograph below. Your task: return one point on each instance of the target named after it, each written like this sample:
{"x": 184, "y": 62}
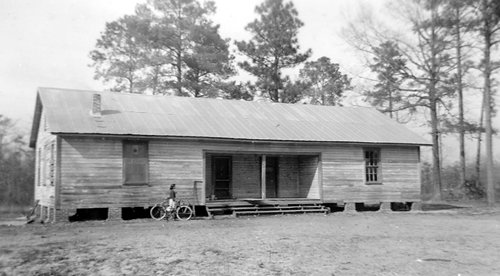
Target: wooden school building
{"x": 116, "y": 150}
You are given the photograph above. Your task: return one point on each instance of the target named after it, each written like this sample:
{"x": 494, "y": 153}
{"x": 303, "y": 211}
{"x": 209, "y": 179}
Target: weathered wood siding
{"x": 344, "y": 175}
{"x": 91, "y": 172}
{"x": 46, "y": 149}
{"x": 179, "y": 163}
{"x": 208, "y": 176}
{"x": 288, "y": 176}
{"x": 246, "y": 176}
{"x": 92, "y": 176}
{"x": 309, "y": 177}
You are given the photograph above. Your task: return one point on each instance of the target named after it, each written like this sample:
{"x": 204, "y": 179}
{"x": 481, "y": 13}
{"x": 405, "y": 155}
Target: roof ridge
{"x": 267, "y": 102}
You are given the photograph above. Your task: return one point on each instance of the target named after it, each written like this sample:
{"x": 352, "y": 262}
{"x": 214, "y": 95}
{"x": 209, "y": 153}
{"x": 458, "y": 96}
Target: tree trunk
{"x": 275, "y": 89}
{"x": 433, "y": 102}
{"x": 461, "y": 126}
{"x": 179, "y": 50}
{"x": 130, "y": 80}
{"x": 156, "y": 77}
{"x": 479, "y": 140}
{"x": 436, "y": 168}
{"x": 390, "y": 103}
{"x": 179, "y": 73}
{"x": 487, "y": 32}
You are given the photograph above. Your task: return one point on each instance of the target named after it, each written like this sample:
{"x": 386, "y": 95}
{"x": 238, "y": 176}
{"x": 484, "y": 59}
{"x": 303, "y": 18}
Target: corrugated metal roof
{"x": 68, "y": 111}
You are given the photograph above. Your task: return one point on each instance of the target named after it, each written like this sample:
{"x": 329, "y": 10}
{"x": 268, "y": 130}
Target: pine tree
{"x": 166, "y": 46}
{"x": 274, "y": 46}
{"x": 389, "y": 65}
{"x": 324, "y": 83}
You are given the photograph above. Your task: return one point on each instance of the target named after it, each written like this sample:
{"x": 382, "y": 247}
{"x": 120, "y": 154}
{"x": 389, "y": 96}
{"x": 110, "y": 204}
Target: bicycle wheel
{"x": 184, "y": 213}
{"x": 158, "y": 212}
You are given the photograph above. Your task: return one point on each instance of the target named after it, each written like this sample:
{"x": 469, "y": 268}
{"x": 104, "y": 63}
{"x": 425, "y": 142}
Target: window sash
{"x": 48, "y": 176}
{"x": 40, "y": 169}
{"x": 135, "y": 163}
{"x": 372, "y": 160}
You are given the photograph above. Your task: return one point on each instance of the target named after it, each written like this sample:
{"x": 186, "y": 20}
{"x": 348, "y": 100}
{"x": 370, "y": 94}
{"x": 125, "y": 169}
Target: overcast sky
{"x": 46, "y": 43}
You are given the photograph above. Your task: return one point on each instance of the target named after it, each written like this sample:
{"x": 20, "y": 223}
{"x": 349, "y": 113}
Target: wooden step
{"x": 267, "y": 209}
{"x": 275, "y": 208}
{"x": 270, "y": 212}
{"x": 284, "y": 208}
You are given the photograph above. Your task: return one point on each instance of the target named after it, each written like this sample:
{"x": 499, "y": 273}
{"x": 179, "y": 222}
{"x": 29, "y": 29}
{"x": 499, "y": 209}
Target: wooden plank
{"x": 288, "y": 176}
{"x": 309, "y": 178}
{"x": 320, "y": 177}
{"x": 57, "y": 191}
{"x": 246, "y": 176}
{"x": 263, "y": 177}
{"x": 203, "y": 195}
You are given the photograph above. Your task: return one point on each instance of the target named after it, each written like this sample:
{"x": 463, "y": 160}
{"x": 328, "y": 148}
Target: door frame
{"x": 230, "y": 172}
{"x": 276, "y": 166}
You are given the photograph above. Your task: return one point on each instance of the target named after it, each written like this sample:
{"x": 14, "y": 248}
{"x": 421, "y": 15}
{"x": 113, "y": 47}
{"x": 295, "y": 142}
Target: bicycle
{"x": 182, "y": 211}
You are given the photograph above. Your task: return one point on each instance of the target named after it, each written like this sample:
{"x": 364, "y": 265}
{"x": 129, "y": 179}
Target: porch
{"x": 244, "y": 180}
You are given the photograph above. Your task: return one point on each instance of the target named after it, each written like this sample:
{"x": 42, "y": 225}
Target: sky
{"x": 46, "y": 43}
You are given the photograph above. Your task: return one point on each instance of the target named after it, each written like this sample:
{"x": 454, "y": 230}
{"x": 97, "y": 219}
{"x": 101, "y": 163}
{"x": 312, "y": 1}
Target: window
{"x": 372, "y": 172}
{"x": 135, "y": 163}
{"x": 49, "y": 161}
{"x": 44, "y": 122}
{"x": 39, "y": 167}
{"x": 52, "y": 161}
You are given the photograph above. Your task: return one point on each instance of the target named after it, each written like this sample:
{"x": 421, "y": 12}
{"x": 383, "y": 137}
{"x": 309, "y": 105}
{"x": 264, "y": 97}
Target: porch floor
{"x": 260, "y": 202}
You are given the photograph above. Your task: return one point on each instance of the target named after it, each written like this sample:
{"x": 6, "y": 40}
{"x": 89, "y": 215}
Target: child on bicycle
{"x": 171, "y": 197}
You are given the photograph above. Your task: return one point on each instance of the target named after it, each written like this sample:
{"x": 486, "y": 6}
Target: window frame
{"x": 368, "y": 165}
{"x": 48, "y": 175}
{"x": 125, "y": 157}
{"x": 39, "y": 167}
{"x": 52, "y": 164}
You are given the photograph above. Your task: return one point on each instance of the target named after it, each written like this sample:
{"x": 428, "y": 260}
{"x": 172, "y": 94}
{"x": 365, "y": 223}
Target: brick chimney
{"x": 96, "y": 105}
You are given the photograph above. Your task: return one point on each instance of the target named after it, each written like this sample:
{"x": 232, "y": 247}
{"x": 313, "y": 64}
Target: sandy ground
{"x": 453, "y": 242}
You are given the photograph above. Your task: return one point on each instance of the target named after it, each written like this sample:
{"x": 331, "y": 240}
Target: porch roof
{"x": 68, "y": 111}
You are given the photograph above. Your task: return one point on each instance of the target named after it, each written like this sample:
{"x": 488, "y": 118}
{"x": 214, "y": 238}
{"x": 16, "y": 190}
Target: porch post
{"x": 263, "y": 176}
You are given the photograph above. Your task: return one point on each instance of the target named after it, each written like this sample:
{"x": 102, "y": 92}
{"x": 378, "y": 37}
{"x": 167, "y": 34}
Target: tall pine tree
{"x": 390, "y": 66}
{"x": 167, "y": 46}
{"x": 274, "y": 46}
{"x": 324, "y": 82}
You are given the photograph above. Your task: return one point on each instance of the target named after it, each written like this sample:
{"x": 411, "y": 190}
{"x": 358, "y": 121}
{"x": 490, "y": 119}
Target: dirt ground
{"x": 451, "y": 242}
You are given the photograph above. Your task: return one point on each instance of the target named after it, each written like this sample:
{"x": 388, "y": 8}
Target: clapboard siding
{"x": 308, "y": 177}
{"x": 91, "y": 172}
{"x": 45, "y": 191}
{"x": 208, "y": 176}
{"x": 246, "y": 176}
{"x": 344, "y": 169}
{"x": 288, "y": 176}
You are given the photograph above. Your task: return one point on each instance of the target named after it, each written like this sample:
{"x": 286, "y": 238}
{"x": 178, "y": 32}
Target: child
{"x": 171, "y": 197}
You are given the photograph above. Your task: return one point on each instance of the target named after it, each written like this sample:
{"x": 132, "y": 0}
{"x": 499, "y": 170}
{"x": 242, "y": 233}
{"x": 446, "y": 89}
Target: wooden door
{"x": 222, "y": 166}
{"x": 272, "y": 177}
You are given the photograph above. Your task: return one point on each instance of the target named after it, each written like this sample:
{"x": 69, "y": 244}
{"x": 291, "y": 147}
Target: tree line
{"x": 173, "y": 47}
{"x": 16, "y": 166}
{"x": 428, "y": 69}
